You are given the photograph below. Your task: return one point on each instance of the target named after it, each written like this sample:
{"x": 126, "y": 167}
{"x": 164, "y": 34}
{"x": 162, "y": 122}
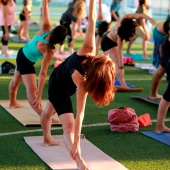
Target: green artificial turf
{"x": 134, "y": 150}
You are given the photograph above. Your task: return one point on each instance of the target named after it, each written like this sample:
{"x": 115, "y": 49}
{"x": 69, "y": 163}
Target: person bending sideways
{"x": 160, "y": 55}
{"x": 82, "y": 73}
{"x": 102, "y": 26}
{"x": 112, "y": 42}
{"x": 165, "y": 101}
{"x": 41, "y": 46}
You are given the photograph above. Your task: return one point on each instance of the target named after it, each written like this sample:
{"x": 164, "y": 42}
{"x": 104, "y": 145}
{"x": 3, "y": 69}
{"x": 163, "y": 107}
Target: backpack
{"x": 123, "y": 120}
{"x": 8, "y": 67}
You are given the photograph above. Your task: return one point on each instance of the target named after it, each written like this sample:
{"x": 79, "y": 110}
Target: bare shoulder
{"x": 42, "y": 47}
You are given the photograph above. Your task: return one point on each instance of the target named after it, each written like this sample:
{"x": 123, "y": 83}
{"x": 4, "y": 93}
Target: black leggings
{"x": 3, "y": 41}
{"x": 166, "y": 95}
{"x": 69, "y": 36}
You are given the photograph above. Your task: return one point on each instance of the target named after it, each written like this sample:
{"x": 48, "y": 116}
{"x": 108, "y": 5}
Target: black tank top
{"x": 65, "y": 70}
{"x": 166, "y": 26}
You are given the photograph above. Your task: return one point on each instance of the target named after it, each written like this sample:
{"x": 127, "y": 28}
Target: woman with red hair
{"x": 83, "y": 73}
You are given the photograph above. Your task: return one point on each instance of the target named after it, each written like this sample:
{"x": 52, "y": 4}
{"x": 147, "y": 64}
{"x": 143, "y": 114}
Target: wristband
{"x": 121, "y": 67}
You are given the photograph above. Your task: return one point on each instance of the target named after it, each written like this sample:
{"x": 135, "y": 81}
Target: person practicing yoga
{"x": 114, "y": 10}
{"x": 160, "y": 33}
{"x": 7, "y": 19}
{"x": 41, "y": 46}
{"x": 82, "y": 73}
{"x": 165, "y": 101}
{"x": 23, "y": 31}
{"x": 75, "y": 11}
{"x": 112, "y": 42}
{"x": 141, "y": 30}
{"x": 101, "y": 27}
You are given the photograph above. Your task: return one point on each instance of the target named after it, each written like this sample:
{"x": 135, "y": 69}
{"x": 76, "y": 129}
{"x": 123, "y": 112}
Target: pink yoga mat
{"x": 58, "y": 158}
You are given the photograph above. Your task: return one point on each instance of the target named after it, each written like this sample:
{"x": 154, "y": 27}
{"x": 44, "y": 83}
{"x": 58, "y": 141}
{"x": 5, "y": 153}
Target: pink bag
{"x": 123, "y": 120}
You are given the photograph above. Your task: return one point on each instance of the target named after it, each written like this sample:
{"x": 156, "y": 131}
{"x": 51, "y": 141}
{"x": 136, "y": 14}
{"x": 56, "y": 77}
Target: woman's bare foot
{"x": 145, "y": 57}
{"x": 82, "y": 165}
{"x": 131, "y": 53}
{"x": 162, "y": 129}
{"x": 55, "y": 121}
{"x": 51, "y": 142}
{"x": 16, "y": 105}
{"x": 153, "y": 97}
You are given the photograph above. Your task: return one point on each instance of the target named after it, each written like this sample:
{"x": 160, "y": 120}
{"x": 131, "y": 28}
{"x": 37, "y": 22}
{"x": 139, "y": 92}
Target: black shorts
{"x": 165, "y": 53}
{"x": 107, "y": 43}
{"x": 59, "y": 96}
{"x": 166, "y": 95}
{"x": 22, "y": 17}
{"x": 24, "y": 66}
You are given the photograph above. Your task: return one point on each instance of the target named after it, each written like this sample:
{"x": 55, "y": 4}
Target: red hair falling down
{"x": 100, "y": 80}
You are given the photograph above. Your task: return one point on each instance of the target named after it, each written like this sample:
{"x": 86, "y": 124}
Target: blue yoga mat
{"x": 18, "y": 40}
{"x": 118, "y": 84}
{"x": 137, "y": 57}
{"x": 161, "y": 137}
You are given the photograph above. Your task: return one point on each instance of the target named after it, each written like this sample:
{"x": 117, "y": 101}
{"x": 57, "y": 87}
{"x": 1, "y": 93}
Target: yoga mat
{"x": 145, "y": 66}
{"x": 161, "y": 137}
{"x": 139, "y": 41}
{"x": 118, "y": 84}
{"x": 26, "y": 116}
{"x": 2, "y": 56}
{"x": 58, "y": 158}
{"x": 10, "y": 34}
{"x": 14, "y": 39}
{"x": 137, "y": 57}
{"x": 145, "y": 98}
{"x": 122, "y": 89}
{"x": 12, "y": 55}
{"x": 61, "y": 56}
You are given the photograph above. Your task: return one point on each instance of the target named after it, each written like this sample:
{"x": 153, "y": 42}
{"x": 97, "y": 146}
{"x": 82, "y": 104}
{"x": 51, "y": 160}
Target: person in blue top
{"x": 115, "y": 7}
{"x": 102, "y": 27}
{"x": 82, "y": 73}
{"x": 41, "y": 46}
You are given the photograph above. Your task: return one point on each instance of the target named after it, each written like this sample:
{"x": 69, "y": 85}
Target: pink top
{"x": 11, "y": 16}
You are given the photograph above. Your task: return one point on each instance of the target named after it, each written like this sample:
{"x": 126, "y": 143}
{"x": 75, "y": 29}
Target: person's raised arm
{"x": 140, "y": 16}
{"x": 89, "y": 42}
{"x": 46, "y": 23}
{"x": 100, "y": 14}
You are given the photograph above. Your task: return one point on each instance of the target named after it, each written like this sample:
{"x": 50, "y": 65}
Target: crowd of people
{"x": 85, "y": 71}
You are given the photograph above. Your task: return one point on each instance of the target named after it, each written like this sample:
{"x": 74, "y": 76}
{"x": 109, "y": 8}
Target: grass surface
{"x": 134, "y": 150}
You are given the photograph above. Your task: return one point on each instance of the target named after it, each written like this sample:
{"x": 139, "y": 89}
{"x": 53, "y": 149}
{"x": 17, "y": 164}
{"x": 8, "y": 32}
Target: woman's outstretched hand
{"x": 75, "y": 151}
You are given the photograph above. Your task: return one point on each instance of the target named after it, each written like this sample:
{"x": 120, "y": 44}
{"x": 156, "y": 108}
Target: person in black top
{"x": 75, "y": 11}
{"x": 160, "y": 33}
{"x": 83, "y": 73}
{"x": 165, "y": 101}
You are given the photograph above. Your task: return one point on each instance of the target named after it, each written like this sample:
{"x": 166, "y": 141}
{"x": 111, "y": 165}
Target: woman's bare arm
{"x": 88, "y": 47}
{"x": 140, "y": 16}
{"x": 46, "y": 23}
{"x": 100, "y": 14}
